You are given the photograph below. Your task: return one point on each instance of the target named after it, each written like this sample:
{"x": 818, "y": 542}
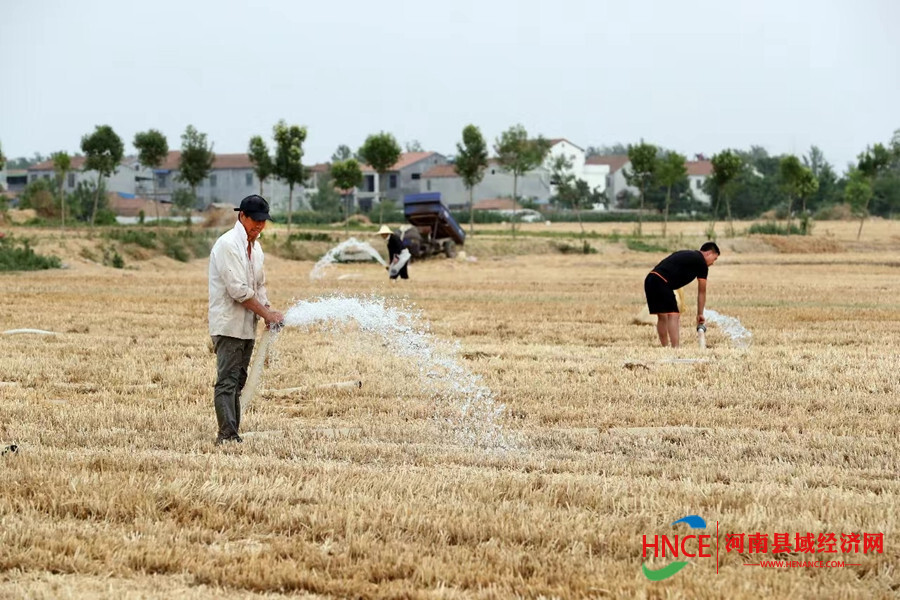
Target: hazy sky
{"x": 695, "y": 76}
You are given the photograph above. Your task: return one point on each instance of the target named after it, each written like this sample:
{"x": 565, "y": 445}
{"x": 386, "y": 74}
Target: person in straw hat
{"x": 395, "y": 247}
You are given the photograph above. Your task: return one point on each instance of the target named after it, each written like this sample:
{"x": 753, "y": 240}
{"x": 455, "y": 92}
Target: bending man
{"x": 674, "y": 272}
{"x": 237, "y": 300}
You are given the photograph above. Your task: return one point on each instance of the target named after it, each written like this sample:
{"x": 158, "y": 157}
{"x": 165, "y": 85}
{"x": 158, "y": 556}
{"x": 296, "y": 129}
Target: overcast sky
{"x": 694, "y": 76}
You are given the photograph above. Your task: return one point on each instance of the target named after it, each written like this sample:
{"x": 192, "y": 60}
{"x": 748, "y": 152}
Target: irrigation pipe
{"x": 259, "y": 359}
{"x": 351, "y": 385}
{"x": 37, "y": 331}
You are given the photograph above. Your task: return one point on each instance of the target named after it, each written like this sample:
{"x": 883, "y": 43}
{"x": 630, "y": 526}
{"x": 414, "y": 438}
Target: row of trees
{"x": 515, "y": 151}
{"x": 103, "y": 151}
{"x": 748, "y": 183}
{"x": 743, "y": 183}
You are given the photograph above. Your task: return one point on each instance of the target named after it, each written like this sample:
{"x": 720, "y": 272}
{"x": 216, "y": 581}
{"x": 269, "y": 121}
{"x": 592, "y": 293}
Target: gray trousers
{"x": 232, "y": 360}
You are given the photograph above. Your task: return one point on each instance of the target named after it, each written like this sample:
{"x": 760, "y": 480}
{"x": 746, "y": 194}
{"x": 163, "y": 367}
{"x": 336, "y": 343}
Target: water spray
{"x": 740, "y": 335}
{"x": 461, "y": 403}
{"x": 332, "y": 256}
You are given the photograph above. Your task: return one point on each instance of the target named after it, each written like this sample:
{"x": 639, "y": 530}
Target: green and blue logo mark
{"x": 676, "y": 546}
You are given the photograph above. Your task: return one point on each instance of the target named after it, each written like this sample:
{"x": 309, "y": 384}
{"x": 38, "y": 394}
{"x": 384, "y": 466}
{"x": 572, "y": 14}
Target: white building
{"x": 128, "y": 178}
{"x": 497, "y": 183}
{"x": 612, "y": 169}
{"x": 231, "y": 178}
{"x": 698, "y": 172}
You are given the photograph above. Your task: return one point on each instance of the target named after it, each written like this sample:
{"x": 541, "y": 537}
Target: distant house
{"x": 129, "y": 177}
{"x": 15, "y": 180}
{"x": 404, "y": 177}
{"x": 497, "y": 182}
{"x": 536, "y": 185}
{"x": 613, "y": 167}
{"x": 232, "y": 178}
{"x": 698, "y": 172}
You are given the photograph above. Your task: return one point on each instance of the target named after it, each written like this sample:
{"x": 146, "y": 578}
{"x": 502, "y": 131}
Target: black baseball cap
{"x": 255, "y": 207}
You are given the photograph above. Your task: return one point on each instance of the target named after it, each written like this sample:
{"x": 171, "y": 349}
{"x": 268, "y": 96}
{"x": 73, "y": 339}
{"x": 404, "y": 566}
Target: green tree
{"x": 347, "y": 175}
{"x": 23, "y": 162}
{"x": 153, "y": 148}
{"x": 616, "y": 149}
{"x": 886, "y": 194}
{"x": 858, "y": 193}
{"x": 871, "y": 163}
{"x": 197, "y": 159}
{"x": 38, "y": 195}
{"x": 263, "y": 165}
{"x": 517, "y": 154}
{"x": 827, "y": 192}
{"x": 644, "y": 164}
{"x": 727, "y": 165}
{"x": 2, "y": 158}
{"x": 381, "y": 151}
{"x": 103, "y": 151}
{"x": 569, "y": 194}
{"x": 289, "y": 160}
{"x": 798, "y": 183}
{"x": 414, "y": 146}
{"x": 62, "y": 164}
{"x": 81, "y": 201}
{"x": 342, "y": 153}
{"x": 672, "y": 171}
{"x": 471, "y": 161}
{"x": 758, "y": 158}
{"x": 326, "y": 199}
{"x": 815, "y": 160}
{"x": 184, "y": 201}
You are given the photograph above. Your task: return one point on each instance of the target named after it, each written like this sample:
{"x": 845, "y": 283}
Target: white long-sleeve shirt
{"x": 235, "y": 278}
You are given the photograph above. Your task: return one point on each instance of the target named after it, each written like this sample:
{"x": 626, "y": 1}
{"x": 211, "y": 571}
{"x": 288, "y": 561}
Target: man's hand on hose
{"x": 274, "y": 320}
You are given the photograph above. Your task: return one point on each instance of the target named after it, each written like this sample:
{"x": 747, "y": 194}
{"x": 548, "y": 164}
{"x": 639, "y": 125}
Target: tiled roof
{"x": 496, "y": 204}
{"x": 77, "y": 162}
{"x": 232, "y": 161}
{"x": 555, "y": 141}
{"x": 223, "y": 161}
{"x": 171, "y": 161}
{"x": 406, "y": 159}
{"x": 409, "y": 158}
{"x": 440, "y": 171}
{"x": 615, "y": 162}
{"x": 701, "y": 168}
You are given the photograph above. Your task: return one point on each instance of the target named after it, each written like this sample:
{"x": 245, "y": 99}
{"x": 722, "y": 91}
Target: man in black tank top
{"x": 674, "y": 272}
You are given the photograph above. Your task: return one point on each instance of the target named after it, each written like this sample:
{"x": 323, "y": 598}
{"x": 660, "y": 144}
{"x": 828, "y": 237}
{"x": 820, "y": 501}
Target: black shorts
{"x": 660, "y": 297}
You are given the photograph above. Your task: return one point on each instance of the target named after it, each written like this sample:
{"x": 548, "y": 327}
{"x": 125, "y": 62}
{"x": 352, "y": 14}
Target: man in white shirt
{"x": 237, "y": 300}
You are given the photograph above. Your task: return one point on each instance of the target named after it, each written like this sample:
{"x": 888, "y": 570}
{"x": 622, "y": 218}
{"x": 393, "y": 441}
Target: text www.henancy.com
{"x": 801, "y": 564}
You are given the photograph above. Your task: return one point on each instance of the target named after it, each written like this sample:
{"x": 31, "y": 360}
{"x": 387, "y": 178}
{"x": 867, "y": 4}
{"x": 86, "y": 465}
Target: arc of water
{"x": 320, "y": 268}
{"x": 474, "y": 412}
{"x": 740, "y": 335}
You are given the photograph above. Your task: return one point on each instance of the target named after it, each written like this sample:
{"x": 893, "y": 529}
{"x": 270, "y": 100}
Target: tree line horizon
{"x": 743, "y": 183}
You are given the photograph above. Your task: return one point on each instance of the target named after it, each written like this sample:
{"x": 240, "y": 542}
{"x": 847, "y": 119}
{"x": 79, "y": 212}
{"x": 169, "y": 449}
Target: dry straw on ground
{"x": 118, "y": 491}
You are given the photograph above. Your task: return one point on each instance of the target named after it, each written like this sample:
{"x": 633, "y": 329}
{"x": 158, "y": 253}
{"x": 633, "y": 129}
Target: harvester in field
{"x": 432, "y": 229}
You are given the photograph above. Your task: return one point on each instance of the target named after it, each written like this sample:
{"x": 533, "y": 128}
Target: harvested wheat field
{"x": 515, "y": 435}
